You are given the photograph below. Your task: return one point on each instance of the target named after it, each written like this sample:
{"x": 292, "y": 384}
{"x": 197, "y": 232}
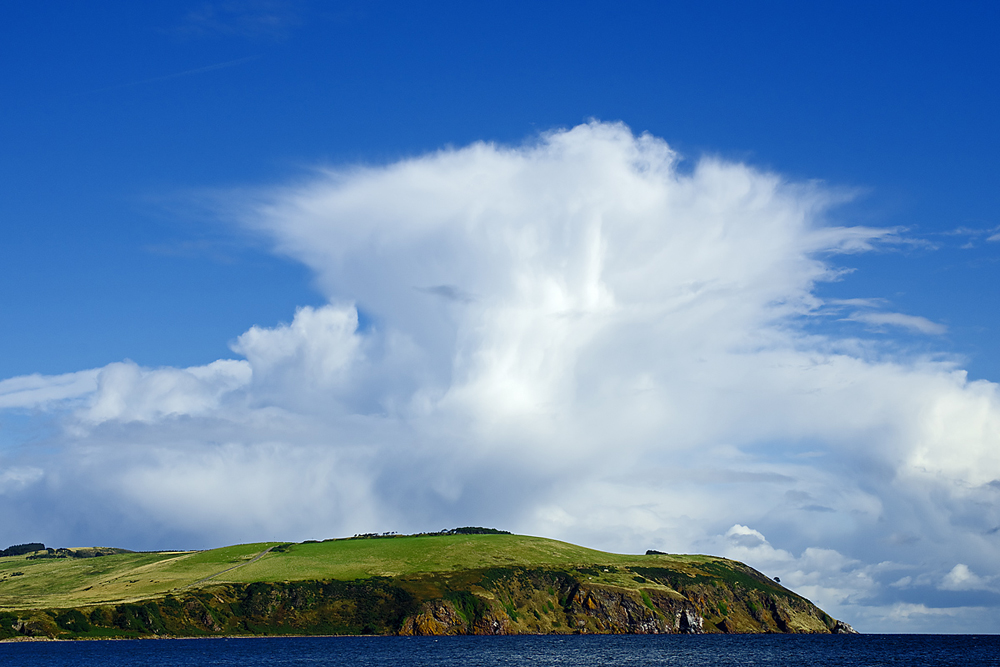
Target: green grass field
{"x": 401, "y": 556}
{"x": 128, "y": 577}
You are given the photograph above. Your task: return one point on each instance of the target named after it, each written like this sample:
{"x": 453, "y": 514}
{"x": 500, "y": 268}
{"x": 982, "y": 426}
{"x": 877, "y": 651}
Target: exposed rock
{"x": 689, "y": 622}
{"x": 197, "y": 610}
{"x": 619, "y": 611}
{"x": 38, "y": 626}
{"x": 841, "y": 628}
{"x": 493, "y": 622}
{"x": 438, "y": 617}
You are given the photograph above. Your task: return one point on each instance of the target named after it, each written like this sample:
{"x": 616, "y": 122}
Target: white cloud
{"x": 17, "y": 478}
{"x": 569, "y": 338}
{"x": 961, "y": 578}
{"x": 126, "y": 392}
{"x": 316, "y": 352}
{"x": 912, "y": 322}
{"x": 31, "y": 391}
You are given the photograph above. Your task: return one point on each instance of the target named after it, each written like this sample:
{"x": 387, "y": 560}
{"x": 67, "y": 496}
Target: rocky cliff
{"x": 521, "y": 601}
{"x": 728, "y": 598}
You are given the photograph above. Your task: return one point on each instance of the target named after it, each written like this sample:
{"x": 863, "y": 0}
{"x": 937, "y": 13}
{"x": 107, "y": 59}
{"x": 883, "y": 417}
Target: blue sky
{"x": 176, "y": 180}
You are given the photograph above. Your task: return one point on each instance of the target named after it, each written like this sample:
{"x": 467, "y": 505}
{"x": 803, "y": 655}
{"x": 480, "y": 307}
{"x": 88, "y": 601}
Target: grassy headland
{"x": 423, "y": 584}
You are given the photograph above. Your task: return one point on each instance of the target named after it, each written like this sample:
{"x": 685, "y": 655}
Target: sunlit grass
{"x": 68, "y": 582}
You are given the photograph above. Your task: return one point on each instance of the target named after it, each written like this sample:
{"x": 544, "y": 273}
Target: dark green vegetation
{"x": 462, "y": 581}
{"x": 21, "y": 549}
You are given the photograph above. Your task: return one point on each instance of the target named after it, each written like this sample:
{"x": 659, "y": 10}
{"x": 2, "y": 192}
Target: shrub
{"x": 73, "y": 620}
{"x": 476, "y": 530}
{"x": 100, "y": 616}
{"x": 7, "y": 623}
{"x": 470, "y": 607}
{"x": 140, "y": 618}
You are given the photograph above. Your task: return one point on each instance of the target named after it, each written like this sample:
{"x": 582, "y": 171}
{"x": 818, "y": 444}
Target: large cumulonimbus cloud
{"x": 570, "y": 338}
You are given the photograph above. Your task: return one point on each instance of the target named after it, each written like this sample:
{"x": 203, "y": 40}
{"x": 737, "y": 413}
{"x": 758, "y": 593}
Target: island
{"x": 476, "y": 581}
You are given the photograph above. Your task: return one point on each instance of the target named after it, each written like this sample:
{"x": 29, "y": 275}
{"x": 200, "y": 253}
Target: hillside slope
{"x": 425, "y": 584}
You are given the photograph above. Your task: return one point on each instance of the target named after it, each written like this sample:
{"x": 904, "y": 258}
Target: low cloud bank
{"x": 569, "y": 338}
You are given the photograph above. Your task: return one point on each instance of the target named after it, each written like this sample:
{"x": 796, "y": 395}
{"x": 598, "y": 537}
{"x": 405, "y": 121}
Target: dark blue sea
{"x": 681, "y": 650}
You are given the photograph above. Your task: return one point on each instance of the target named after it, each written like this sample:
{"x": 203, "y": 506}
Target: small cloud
{"x": 448, "y": 292}
{"x": 975, "y": 235}
{"x": 912, "y": 322}
{"x": 961, "y": 578}
{"x": 905, "y": 582}
{"x": 907, "y": 611}
{"x": 804, "y": 501}
{"x": 817, "y": 508}
{"x": 964, "y": 231}
{"x": 746, "y": 537}
{"x": 858, "y": 303}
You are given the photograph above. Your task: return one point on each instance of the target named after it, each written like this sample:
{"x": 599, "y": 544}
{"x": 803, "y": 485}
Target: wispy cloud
{"x": 912, "y": 322}
{"x": 254, "y": 19}
{"x": 178, "y": 75}
{"x": 876, "y": 302}
{"x": 874, "y": 313}
{"x": 33, "y": 391}
{"x": 970, "y": 231}
{"x": 973, "y": 235}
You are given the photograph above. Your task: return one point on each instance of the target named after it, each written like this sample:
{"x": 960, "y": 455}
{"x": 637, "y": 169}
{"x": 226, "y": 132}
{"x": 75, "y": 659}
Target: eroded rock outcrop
{"x": 620, "y": 611}
{"x": 442, "y": 617}
{"x": 841, "y": 628}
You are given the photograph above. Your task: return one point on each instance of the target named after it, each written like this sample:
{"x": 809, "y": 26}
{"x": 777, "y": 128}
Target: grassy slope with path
{"x": 505, "y": 571}
{"x": 49, "y": 583}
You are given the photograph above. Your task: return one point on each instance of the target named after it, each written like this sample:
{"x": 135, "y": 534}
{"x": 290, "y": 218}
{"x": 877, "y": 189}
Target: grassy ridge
{"x": 403, "y": 556}
{"x": 127, "y": 577}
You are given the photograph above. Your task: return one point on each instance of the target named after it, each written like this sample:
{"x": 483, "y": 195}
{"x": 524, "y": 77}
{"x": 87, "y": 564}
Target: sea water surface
{"x": 536, "y": 651}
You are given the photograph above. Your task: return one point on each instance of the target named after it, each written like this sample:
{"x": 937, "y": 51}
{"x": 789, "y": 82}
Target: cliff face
{"x": 587, "y": 610}
{"x": 702, "y": 596}
{"x": 522, "y": 601}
